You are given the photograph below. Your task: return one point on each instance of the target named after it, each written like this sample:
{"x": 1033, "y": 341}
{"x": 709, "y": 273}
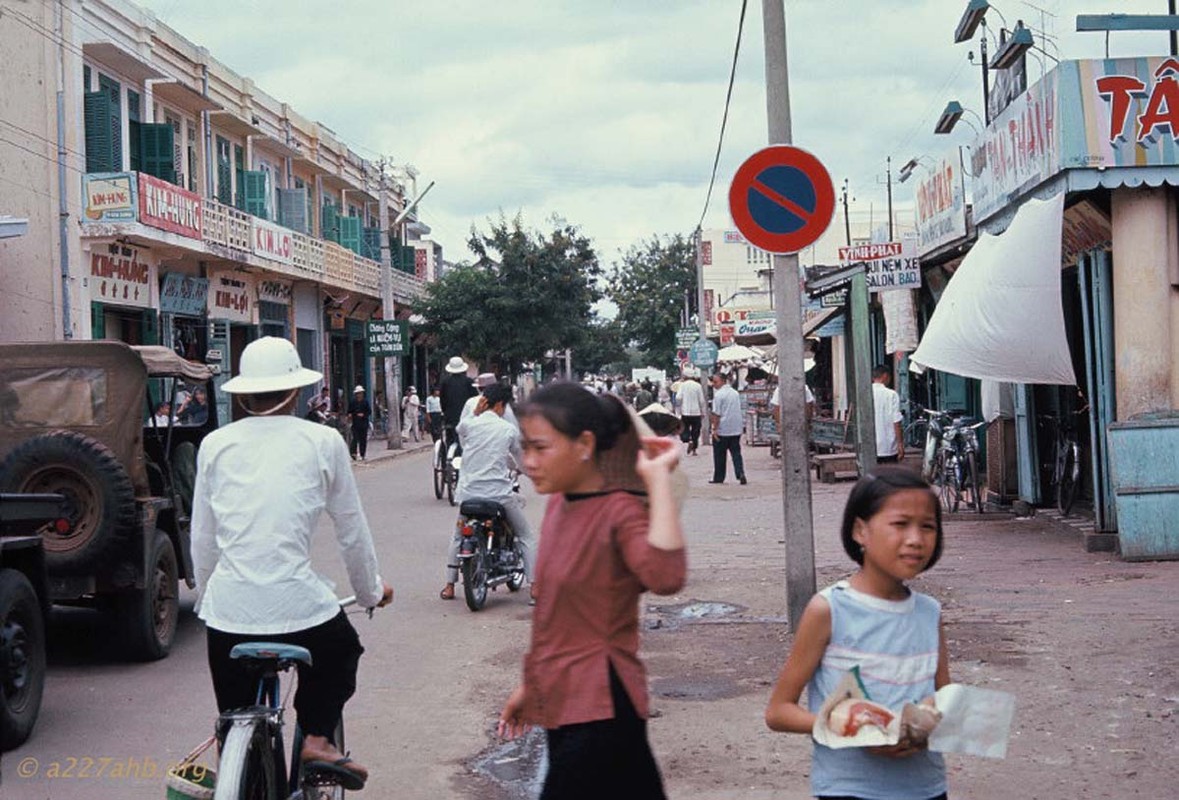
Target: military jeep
{"x": 115, "y": 430}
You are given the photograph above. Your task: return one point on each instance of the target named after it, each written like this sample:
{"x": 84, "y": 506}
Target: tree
{"x": 649, "y": 287}
{"x": 603, "y": 348}
{"x": 526, "y": 293}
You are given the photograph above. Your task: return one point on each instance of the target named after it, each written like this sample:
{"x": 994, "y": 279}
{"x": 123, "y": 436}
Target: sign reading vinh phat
{"x": 890, "y": 265}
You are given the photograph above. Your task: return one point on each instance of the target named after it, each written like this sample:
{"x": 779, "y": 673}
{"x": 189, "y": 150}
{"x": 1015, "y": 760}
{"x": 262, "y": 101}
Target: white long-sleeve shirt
{"x": 261, "y": 485}
{"x": 491, "y": 447}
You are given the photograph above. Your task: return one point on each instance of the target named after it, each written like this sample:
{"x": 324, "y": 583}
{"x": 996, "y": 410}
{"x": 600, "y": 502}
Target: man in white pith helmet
{"x": 262, "y": 483}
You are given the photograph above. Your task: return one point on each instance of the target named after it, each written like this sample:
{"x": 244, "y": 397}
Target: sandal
{"x": 447, "y": 592}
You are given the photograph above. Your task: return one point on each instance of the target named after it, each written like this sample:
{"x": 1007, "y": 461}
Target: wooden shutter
{"x": 255, "y": 193}
{"x": 156, "y": 143}
{"x": 329, "y": 222}
{"x": 372, "y": 244}
{"x": 350, "y": 235}
{"x": 101, "y": 118}
{"x": 97, "y": 322}
{"x": 150, "y": 328}
{"x": 239, "y": 161}
{"x": 292, "y": 209}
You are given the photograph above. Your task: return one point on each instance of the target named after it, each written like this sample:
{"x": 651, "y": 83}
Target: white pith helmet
{"x": 270, "y": 364}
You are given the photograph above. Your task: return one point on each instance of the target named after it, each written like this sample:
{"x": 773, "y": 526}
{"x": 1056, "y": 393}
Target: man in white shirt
{"x": 727, "y": 425}
{"x": 484, "y": 380}
{"x": 890, "y": 441}
{"x": 262, "y": 483}
{"x": 491, "y": 449}
{"x": 410, "y": 407}
{"x": 690, "y": 399}
{"x": 434, "y": 413}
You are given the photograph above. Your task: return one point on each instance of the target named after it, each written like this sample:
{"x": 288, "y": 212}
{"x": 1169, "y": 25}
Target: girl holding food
{"x": 892, "y": 528}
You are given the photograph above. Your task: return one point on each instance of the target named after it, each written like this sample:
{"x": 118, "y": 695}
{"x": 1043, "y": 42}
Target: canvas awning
{"x": 1001, "y": 317}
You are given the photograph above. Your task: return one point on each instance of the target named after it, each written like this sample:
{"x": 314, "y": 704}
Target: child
{"x": 601, "y": 547}
{"x": 892, "y": 528}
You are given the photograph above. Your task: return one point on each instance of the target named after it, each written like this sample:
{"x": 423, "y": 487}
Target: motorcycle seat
{"x": 487, "y": 509}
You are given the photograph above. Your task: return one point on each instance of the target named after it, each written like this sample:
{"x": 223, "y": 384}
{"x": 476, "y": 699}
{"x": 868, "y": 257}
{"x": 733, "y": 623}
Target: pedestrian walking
{"x": 892, "y": 528}
{"x": 690, "y": 397}
{"x": 727, "y": 426}
{"x": 359, "y": 414}
{"x": 601, "y": 547}
{"x": 890, "y": 441}
{"x": 410, "y": 407}
{"x": 434, "y": 413}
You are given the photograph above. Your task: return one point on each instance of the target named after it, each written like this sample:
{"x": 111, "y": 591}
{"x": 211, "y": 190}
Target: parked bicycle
{"x": 1066, "y": 460}
{"x": 253, "y": 758}
{"x": 446, "y": 462}
{"x": 950, "y": 460}
{"x": 916, "y": 430}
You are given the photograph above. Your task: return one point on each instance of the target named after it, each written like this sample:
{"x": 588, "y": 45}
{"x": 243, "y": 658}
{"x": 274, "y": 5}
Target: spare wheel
{"x": 99, "y": 494}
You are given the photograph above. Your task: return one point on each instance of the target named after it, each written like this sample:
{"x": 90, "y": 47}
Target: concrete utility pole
{"x": 864, "y": 414}
{"x": 392, "y": 363}
{"x": 702, "y": 323}
{"x": 796, "y": 475}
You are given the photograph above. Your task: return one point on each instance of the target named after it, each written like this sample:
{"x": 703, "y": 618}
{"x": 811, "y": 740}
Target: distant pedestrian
{"x": 643, "y": 396}
{"x": 890, "y": 441}
{"x": 359, "y": 415}
{"x": 411, "y": 406}
{"x": 434, "y": 413}
{"x": 690, "y": 397}
{"x": 727, "y": 426}
{"x": 892, "y": 528}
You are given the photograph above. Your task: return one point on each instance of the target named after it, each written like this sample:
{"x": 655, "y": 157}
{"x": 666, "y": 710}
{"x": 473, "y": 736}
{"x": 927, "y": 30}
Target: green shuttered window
{"x": 156, "y": 151}
{"x": 256, "y": 186}
{"x": 103, "y": 142}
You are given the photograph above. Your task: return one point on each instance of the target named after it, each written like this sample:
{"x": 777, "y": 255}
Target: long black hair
{"x": 869, "y": 495}
{"x": 572, "y": 410}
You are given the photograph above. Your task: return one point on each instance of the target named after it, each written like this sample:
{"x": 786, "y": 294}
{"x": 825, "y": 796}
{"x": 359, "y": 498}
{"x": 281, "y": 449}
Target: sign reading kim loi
{"x": 231, "y": 296}
{"x": 121, "y": 276}
{"x": 109, "y": 197}
{"x": 272, "y": 241}
{"x": 168, "y": 207}
{"x": 891, "y": 265}
{"x": 941, "y": 205}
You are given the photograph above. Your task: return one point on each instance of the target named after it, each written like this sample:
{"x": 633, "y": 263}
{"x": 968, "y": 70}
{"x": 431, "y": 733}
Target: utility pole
{"x": 796, "y": 475}
{"x": 392, "y": 363}
{"x": 702, "y": 324}
{"x": 888, "y": 177}
{"x": 846, "y": 218}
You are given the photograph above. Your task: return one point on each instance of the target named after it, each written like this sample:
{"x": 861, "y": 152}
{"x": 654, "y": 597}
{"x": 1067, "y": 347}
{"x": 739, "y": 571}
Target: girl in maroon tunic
{"x": 601, "y": 547}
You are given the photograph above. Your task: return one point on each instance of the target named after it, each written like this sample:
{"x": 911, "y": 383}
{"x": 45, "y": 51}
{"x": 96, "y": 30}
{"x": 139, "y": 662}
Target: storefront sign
{"x": 272, "y": 241}
{"x": 420, "y": 263}
{"x": 387, "y": 337}
{"x": 109, "y": 197}
{"x": 183, "y": 294}
{"x": 121, "y": 276}
{"x": 941, "y": 205}
{"x": 812, "y": 309}
{"x": 272, "y": 291}
{"x": 753, "y": 327}
{"x": 168, "y": 207}
{"x": 706, "y": 254}
{"x": 724, "y": 315}
{"x": 685, "y": 336}
{"x": 231, "y": 296}
{"x": 891, "y": 265}
{"x": 734, "y": 237}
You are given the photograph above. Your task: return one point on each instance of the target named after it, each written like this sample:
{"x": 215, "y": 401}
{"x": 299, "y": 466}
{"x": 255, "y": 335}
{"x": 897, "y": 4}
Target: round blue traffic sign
{"x": 782, "y": 199}
{"x": 703, "y": 353}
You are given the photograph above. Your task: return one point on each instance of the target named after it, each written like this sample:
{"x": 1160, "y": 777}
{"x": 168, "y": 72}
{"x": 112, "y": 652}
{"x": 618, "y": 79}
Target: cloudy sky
{"x": 607, "y": 112}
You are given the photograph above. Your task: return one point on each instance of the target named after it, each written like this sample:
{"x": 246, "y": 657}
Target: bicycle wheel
{"x": 439, "y": 469}
{"x": 971, "y": 481}
{"x": 246, "y": 770}
{"x": 1066, "y": 490}
{"x": 451, "y": 480}
{"x": 916, "y": 432}
{"x": 475, "y": 580}
{"x": 949, "y": 491}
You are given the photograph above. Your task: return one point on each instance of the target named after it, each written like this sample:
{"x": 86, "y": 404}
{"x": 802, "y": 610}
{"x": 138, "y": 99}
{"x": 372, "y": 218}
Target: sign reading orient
{"x": 782, "y": 199}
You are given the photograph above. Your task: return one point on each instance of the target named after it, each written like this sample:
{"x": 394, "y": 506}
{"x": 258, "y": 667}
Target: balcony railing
{"x": 227, "y": 231}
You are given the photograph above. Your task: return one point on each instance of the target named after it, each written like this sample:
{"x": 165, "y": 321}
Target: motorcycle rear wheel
{"x": 516, "y": 582}
{"x": 475, "y": 580}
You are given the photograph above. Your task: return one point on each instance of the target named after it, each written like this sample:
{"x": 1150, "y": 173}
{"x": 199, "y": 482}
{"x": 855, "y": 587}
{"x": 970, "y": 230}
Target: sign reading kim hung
{"x": 109, "y": 197}
{"x": 168, "y": 207}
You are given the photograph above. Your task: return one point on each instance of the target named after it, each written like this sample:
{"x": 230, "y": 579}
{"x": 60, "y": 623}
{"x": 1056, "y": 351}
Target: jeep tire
{"x": 22, "y": 658}
{"x": 98, "y": 492}
{"x": 148, "y": 616}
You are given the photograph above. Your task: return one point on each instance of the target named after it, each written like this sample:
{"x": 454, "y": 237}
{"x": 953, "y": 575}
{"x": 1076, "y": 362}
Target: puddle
{"x": 695, "y": 610}
{"x": 517, "y": 767}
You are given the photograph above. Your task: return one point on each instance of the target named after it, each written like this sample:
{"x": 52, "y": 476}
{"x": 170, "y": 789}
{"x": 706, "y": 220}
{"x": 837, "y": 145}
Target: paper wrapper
{"x": 973, "y": 721}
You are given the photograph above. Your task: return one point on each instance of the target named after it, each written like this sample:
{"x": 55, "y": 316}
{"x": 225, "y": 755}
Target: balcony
{"x": 140, "y": 207}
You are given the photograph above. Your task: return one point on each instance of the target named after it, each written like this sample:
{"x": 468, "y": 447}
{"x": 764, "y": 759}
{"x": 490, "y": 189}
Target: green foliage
{"x": 603, "y": 349}
{"x": 648, "y": 286}
{"x": 527, "y": 292}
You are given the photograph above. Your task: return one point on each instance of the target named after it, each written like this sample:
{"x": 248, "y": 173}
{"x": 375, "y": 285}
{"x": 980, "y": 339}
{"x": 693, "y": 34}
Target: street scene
{"x": 487, "y": 402}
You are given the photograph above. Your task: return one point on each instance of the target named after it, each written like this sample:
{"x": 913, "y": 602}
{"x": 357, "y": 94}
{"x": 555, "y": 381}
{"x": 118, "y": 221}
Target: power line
{"x": 725, "y": 116}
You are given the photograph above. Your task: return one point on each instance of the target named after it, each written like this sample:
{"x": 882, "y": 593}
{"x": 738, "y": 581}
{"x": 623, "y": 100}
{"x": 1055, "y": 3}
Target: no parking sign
{"x": 782, "y": 199}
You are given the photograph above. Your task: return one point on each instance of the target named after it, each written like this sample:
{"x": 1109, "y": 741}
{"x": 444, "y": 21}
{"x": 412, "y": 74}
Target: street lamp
{"x": 972, "y": 17}
{"x": 1012, "y": 48}
{"x": 911, "y": 165}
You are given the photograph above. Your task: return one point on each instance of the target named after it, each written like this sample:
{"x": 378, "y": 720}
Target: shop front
{"x": 233, "y": 323}
{"x": 123, "y": 293}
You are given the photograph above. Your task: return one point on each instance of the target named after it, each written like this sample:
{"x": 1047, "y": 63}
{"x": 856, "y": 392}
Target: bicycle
{"x": 914, "y": 433}
{"x": 252, "y": 762}
{"x": 1066, "y": 462}
{"x": 446, "y": 462}
{"x": 959, "y": 465}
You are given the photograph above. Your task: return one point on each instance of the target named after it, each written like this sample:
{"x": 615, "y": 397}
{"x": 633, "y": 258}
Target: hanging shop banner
{"x": 184, "y": 295}
{"x": 272, "y": 291}
{"x": 272, "y": 241}
{"x": 231, "y": 296}
{"x": 121, "y": 275}
{"x": 891, "y": 265}
{"x": 756, "y": 323}
{"x": 109, "y": 197}
{"x": 941, "y": 204}
{"x": 168, "y": 207}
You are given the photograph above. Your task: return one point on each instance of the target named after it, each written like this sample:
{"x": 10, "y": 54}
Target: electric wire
{"x": 725, "y": 117}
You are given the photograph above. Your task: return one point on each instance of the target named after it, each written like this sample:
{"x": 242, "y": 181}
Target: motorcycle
{"x": 489, "y": 553}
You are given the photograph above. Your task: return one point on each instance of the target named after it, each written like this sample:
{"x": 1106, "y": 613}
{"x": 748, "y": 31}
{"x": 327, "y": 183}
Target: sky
{"x": 607, "y": 112}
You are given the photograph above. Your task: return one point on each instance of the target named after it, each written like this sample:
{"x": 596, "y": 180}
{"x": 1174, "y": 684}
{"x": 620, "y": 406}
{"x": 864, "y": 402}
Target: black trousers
{"x": 324, "y": 686}
{"x": 435, "y": 426}
{"x": 691, "y": 434}
{"x": 360, "y": 439}
{"x": 720, "y": 446}
{"x": 609, "y": 758}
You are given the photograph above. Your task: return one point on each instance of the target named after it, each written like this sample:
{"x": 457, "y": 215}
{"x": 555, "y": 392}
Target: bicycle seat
{"x": 482, "y": 508}
{"x": 271, "y": 651}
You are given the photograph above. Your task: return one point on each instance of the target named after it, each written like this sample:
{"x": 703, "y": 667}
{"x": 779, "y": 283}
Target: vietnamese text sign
{"x": 272, "y": 291}
{"x": 231, "y": 296}
{"x": 109, "y": 197}
{"x": 168, "y": 207}
{"x": 891, "y": 265}
{"x": 941, "y": 205}
{"x": 272, "y": 241}
{"x": 703, "y": 353}
{"x": 121, "y": 275}
{"x": 387, "y": 337}
{"x": 183, "y": 294}
{"x": 685, "y": 336}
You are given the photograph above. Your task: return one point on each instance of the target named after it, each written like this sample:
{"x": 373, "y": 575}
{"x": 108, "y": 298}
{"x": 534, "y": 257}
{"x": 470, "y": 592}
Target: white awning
{"x": 1001, "y": 316}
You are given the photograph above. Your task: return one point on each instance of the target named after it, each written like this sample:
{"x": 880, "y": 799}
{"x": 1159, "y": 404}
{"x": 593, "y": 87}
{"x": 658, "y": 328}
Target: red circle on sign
{"x": 813, "y": 209}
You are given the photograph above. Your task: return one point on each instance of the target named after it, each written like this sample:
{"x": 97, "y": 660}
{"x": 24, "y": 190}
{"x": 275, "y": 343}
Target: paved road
{"x": 431, "y": 672}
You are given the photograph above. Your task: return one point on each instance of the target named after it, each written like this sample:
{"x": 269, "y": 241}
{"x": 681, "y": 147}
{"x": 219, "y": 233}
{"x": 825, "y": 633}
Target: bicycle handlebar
{"x": 350, "y": 600}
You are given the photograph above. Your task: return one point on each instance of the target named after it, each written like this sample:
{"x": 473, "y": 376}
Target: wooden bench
{"x": 830, "y": 466}
{"x": 830, "y": 435}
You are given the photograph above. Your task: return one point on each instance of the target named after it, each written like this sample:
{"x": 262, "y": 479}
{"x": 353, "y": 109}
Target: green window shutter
{"x": 151, "y": 327}
{"x": 329, "y": 223}
{"x": 292, "y": 209}
{"x": 224, "y": 173}
{"x": 256, "y": 194}
{"x": 372, "y": 244}
{"x": 100, "y": 154}
{"x": 97, "y": 322}
{"x": 239, "y": 160}
{"x": 409, "y": 257}
{"x": 350, "y": 233}
{"x": 156, "y": 151}
{"x": 133, "y": 133}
